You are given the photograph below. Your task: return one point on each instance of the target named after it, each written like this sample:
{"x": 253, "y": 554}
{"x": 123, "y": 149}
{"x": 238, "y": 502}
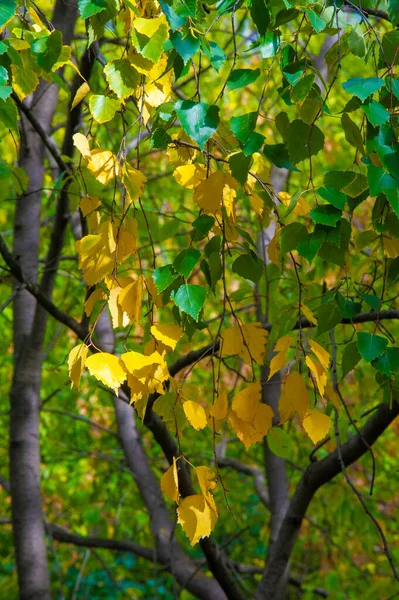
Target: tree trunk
{"x": 27, "y": 514}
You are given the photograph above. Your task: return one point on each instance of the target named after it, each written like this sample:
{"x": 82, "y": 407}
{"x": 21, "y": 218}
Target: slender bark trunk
{"x": 275, "y": 467}
{"x": 27, "y": 514}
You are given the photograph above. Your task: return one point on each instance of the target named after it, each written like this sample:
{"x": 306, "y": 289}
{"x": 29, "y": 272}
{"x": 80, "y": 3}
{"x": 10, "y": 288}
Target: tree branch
{"x": 43, "y": 300}
{"x": 316, "y": 475}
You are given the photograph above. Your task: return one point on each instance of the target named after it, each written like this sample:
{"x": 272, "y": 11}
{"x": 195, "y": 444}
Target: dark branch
{"x": 43, "y": 300}
{"x": 316, "y": 475}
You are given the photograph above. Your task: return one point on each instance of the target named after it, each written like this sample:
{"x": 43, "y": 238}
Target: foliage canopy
{"x": 205, "y": 200}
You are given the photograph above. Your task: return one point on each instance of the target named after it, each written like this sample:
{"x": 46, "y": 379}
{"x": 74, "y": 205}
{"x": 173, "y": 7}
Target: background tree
{"x": 200, "y": 233}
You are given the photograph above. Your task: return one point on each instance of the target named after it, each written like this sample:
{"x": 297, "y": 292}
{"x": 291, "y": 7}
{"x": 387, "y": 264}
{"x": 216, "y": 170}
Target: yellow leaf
{"x": 245, "y": 403}
{"x": 319, "y": 374}
{"x": 256, "y": 203}
{"x": 134, "y": 182}
{"x": 108, "y": 369}
{"x": 207, "y": 481}
{"x": 127, "y": 240}
{"x": 302, "y": 208}
{"x": 272, "y": 249}
{"x": 219, "y": 409}
{"x": 189, "y": 176}
{"x": 146, "y": 374}
{"x": 321, "y": 353}
{"x": 331, "y": 395}
{"x": 81, "y": 142}
{"x": 152, "y": 291}
{"x": 130, "y": 299}
{"x": 181, "y": 155}
{"x": 294, "y": 397}
{"x": 170, "y": 483}
{"x": 308, "y": 314}
{"x": 209, "y": 193}
{"x": 88, "y": 204}
{"x": 285, "y": 197}
{"x": 195, "y": 414}
{"x": 196, "y": 517}
{"x": 76, "y": 363}
{"x": 251, "y": 433}
{"x": 148, "y": 26}
{"x": 248, "y": 341}
{"x": 391, "y": 246}
{"x": 81, "y": 93}
{"x": 141, "y": 64}
{"x": 283, "y": 343}
{"x": 317, "y": 425}
{"x": 279, "y": 360}
{"x": 97, "y": 295}
{"x": 119, "y": 318}
{"x": 260, "y": 168}
{"x": 276, "y": 363}
{"x": 103, "y": 165}
{"x": 167, "y": 334}
{"x": 94, "y": 258}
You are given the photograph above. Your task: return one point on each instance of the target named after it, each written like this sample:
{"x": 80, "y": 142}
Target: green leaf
{"x": 203, "y": 224}
{"x": 280, "y": 443}
{"x": 269, "y": 45}
{"x": 177, "y": 12}
{"x": 160, "y": 138}
{"x": 164, "y": 277}
{"x": 376, "y": 113}
{"x": 371, "y": 346}
{"x": 185, "y": 262}
{"x": 334, "y": 197}
{"x": 254, "y": 144}
{"x": 122, "y": 78}
{"x": 243, "y": 126}
{"x": 212, "y": 269}
{"x": 326, "y": 215}
{"x": 217, "y": 57}
{"x": 186, "y": 45}
{"x": 328, "y": 316}
{"x": 48, "y": 49}
{"x": 249, "y": 266}
{"x": 152, "y": 47}
{"x": 190, "y": 299}
{"x": 379, "y": 180}
{"x": 8, "y": 114}
{"x": 387, "y": 363}
{"x": 239, "y": 166}
{"x": 317, "y": 23}
{"x": 350, "y": 358}
{"x": 363, "y": 87}
{"x": 303, "y": 141}
{"x": 389, "y": 53}
{"x": 291, "y": 235}
{"x": 310, "y": 246}
{"x": 7, "y": 10}
{"x": 348, "y": 308}
{"x": 392, "y": 85}
{"x": 198, "y": 120}
{"x": 372, "y": 301}
{"x": 241, "y": 78}
{"x": 302, "y": 88}
{"x": 213, "y": 245}
{"x": 102, "y": 108}
{"x": 88, "y": 8}
{"x": 352, "y": 133}
{"x": 393, "y": 11}
{"x": 278, "y": 155}
{"x": 260, "y": 15}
